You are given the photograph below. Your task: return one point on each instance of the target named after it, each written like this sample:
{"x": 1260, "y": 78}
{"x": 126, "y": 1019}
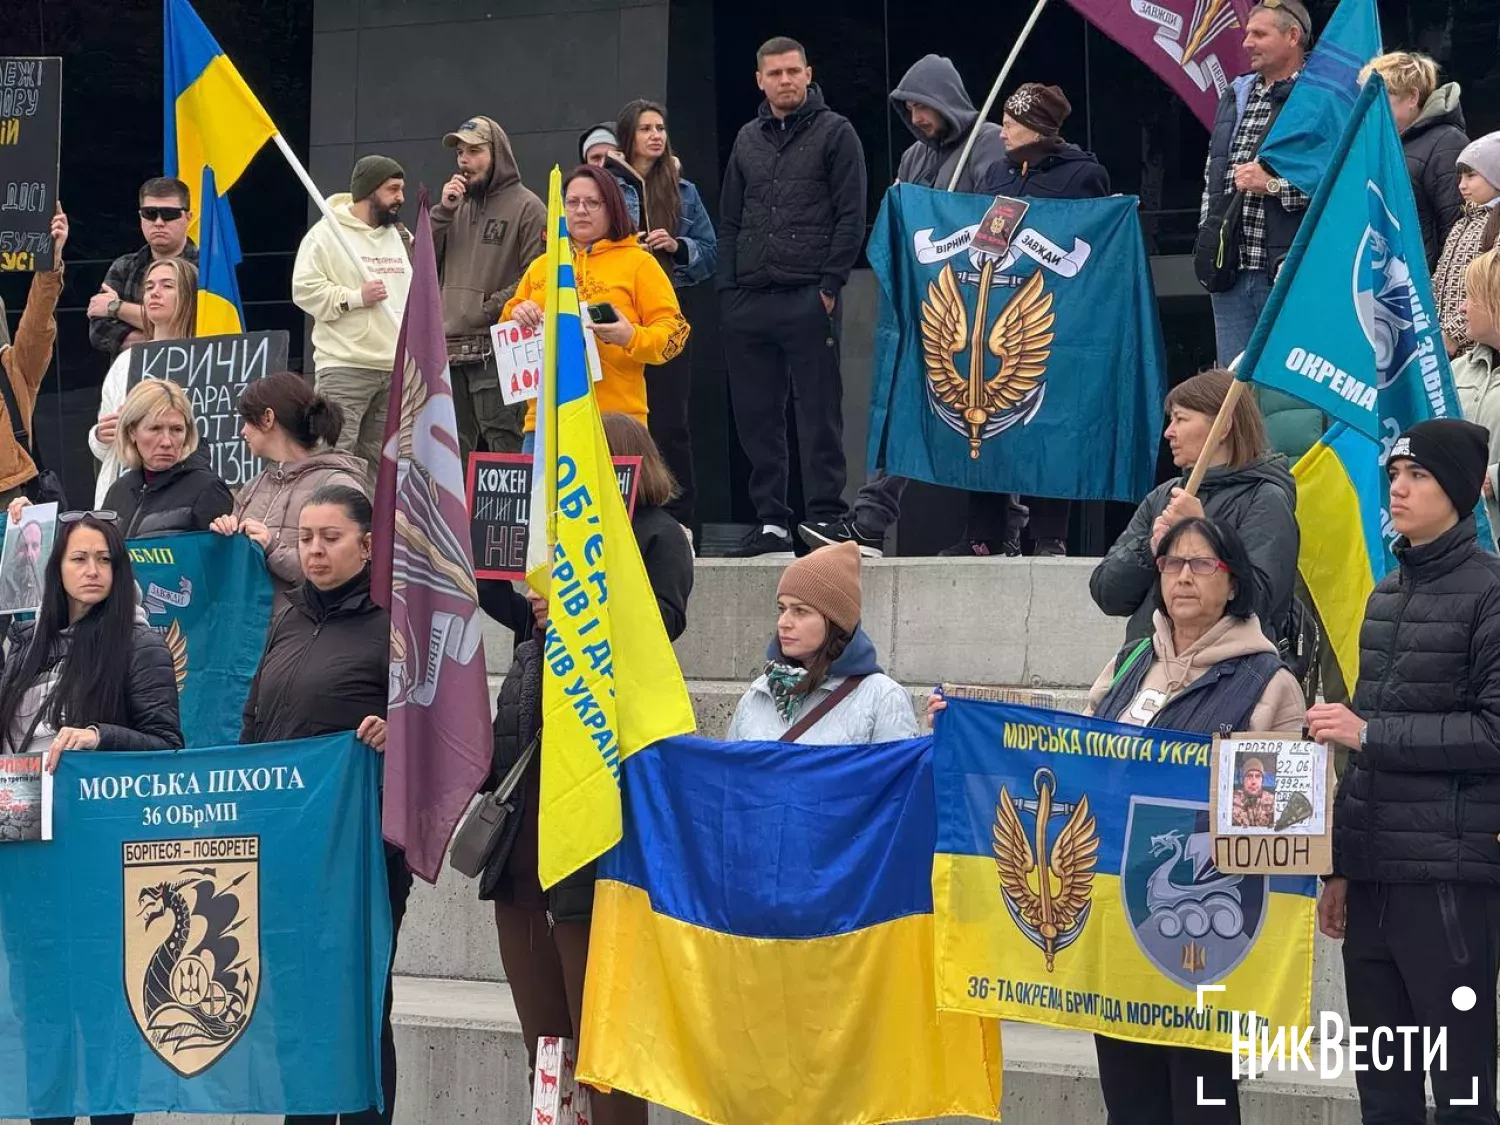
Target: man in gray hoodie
{"x": 931, "y": 99}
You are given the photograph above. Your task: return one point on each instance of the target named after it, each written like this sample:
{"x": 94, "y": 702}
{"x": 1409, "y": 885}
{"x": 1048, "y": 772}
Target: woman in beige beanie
{"x": 822, "y": 685}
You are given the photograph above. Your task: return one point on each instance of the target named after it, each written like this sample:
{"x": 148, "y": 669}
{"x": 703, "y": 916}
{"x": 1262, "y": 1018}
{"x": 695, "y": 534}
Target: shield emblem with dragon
{"x": 192, "y": 945}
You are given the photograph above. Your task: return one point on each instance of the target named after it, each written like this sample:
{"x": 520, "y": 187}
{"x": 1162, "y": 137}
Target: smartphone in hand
{"x": 603, "y": 313}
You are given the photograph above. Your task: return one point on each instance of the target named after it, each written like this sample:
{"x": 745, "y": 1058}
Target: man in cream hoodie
{"x": 354, "y": 336}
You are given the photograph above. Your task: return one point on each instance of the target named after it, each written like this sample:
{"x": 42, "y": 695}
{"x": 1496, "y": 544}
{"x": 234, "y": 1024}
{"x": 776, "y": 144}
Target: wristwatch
{"x": 1364, "y": 729}
{"x": 1274, "y": 186}
{"x": 113, "y": 308}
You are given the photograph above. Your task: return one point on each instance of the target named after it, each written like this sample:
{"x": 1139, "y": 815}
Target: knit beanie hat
{"x": 1483, "y": 156}
{"x": 1043, "y": 109}
{"x": 1455, "y": 452}
{"x": 601, "y": 134}
{"x": 370, "y": 172}
{"x": 828, "y": 580}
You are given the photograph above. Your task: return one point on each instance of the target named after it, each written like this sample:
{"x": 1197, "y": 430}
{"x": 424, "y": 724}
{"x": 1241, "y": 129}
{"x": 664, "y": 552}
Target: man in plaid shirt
{"x": 1276, "y": 39}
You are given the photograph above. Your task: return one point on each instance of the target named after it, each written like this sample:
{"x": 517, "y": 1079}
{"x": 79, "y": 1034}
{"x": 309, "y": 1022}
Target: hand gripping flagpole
{"x": 989, "y": 102}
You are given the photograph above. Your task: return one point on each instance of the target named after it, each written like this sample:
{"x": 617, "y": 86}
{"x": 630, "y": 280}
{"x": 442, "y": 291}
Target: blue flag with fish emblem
{"x": 1011, "y": 333}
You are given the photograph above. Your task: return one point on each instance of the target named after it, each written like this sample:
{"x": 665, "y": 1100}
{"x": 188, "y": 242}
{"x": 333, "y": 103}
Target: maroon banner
{"x": 1195, "y": 45}
{"x": 438, "y": 741}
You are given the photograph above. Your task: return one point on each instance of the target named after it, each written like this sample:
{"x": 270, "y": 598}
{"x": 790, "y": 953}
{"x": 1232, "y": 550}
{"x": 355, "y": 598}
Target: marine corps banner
{"x": 1015, "y": 334}
{"x": 1074, "y": 885}
{"x": 207, "y": 932}
{"x": 209, "y": 596}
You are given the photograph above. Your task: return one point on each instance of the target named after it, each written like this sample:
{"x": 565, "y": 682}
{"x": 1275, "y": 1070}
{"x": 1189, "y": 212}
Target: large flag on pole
{"x": 1195, "y": 46}
{"x": 438, "y": 741}
{"x": 1300, "y": 146}
{"x": 219, "y": 310}
{"x": 1351, "y": 328}
{"x": 612, "y": 684}
{"x": 211, "y": 118}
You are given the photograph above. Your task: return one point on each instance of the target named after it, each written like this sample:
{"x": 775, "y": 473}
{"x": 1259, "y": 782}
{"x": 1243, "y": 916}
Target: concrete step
{"x": 989, "y": 621}
{"x": 463, "y": 1062}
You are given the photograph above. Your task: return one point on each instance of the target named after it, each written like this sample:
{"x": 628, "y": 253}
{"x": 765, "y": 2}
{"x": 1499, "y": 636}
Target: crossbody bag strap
{"x": 18, "y": 428}
{"x": 829, "y": 702}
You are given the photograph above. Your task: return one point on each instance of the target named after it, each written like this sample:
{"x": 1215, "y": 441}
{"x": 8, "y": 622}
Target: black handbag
{"x": 490, "y": 829}
{"x": 45, "y": 487}
{"x": 1216, "y": 253}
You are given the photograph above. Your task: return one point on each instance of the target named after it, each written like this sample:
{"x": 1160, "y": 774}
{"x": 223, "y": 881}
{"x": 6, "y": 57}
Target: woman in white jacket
{"x": 817, "y": 650}
{"x": 170, "y": 302}
{"x": 1476, "y": 373}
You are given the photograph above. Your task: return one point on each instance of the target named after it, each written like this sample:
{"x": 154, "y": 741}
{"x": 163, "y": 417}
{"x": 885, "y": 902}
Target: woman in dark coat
{"x": 544, "y": 935}
{"x": 1415, "y": 894}
{"x": 1038, "y": 164}
{"x": 326, "y": 669}
{"x": 169, "y": 485}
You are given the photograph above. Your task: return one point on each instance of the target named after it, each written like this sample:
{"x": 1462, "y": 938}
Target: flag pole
{"x": 989, "y": 102}
{"x": 322, "y": 204}
{"x": 1217, "y": 430}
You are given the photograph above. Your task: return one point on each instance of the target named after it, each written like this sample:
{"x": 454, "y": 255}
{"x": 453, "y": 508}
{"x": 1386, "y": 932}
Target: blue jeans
{"x": 1237, "y": 310}
{"x": 528, "y": 442}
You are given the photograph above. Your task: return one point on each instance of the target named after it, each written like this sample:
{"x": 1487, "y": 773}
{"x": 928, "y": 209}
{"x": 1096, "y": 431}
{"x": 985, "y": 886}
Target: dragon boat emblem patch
{"x": 192, "y": 944}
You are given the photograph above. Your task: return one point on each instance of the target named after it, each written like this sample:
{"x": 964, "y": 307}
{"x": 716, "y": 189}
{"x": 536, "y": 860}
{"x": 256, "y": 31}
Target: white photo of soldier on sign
{"x": 1270, "y": 786}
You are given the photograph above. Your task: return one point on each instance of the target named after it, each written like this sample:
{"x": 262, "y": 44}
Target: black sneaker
{"x": 759, "y": 542}
{"x": 982, "y": 549}
{"x": 829, "y": 533}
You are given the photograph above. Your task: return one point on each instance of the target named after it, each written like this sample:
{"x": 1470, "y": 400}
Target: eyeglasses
{"x": 586, "y": 205}
{"x": 1172, "y": 564}
{"x": 165, "y": 214}
{"x": 74, "y": 517}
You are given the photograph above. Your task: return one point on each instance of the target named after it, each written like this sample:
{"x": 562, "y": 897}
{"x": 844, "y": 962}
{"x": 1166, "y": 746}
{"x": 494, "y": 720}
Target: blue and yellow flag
{"x": 763, "y": 941}
{"x": 210, "y": 118}
{"x": 1074, "y": 884}
{"x": 1301, "y": 144}
{"x": 612, "y": 685}
{"x": 219, "y": 310}
{"x": 1351, "y": 328}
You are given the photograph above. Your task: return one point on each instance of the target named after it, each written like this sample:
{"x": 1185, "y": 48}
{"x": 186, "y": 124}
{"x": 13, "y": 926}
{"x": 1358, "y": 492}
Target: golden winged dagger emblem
{"x": 1021, "y": 339}
{"x": 1048, "y": 899}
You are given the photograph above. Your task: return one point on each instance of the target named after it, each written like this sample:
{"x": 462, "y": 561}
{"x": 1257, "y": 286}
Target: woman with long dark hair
{"x": 822, "y": 685}
{"x": 94, "y": 675}
{"x": 682, "y": 237}
{"x": 326, "y": 669}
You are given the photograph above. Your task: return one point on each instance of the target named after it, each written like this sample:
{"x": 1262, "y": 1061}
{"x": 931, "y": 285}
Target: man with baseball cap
{"x": 1415, "y": 893}
{"x": 354, "y": 335}
{"x": 487, "y": 228}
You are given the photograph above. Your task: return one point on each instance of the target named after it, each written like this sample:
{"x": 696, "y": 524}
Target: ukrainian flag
{"x": 219, "y": 310}
{"x": 612, "y": 684}
{"x": 762, "y": 943}
{"x": 211, "y": 118}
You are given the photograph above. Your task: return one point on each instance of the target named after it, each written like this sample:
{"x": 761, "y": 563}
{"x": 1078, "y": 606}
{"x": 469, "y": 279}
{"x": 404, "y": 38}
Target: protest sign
{"x": 518, "y": 359}
{"x": 214, "y": 371}
{"x": 25, "y": 798}
{"x": 31, "y": 140}
{"x": 23, "y": 560}
{"x": 1273, "y": 805}
{"x": 499, "y": 489}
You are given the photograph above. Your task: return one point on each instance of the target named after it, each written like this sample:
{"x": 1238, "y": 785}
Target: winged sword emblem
{"x": 1048, "y": 895}
{"x": 976, "y": 405}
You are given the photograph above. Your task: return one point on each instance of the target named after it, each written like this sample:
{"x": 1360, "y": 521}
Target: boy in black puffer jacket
{"x": 1416, "y": 887}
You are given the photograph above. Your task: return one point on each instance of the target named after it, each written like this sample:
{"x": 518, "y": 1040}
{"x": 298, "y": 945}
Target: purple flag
{"x": 1195, "y": 45}
{"x": 438, "y": 740}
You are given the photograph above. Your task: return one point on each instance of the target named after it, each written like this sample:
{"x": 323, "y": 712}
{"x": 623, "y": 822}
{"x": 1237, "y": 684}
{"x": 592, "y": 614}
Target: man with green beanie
{"x": 354, "y": 338}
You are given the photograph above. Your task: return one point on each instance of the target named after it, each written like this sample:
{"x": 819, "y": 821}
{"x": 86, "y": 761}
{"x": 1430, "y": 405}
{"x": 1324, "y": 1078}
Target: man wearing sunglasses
{"x": 116, "y": 318}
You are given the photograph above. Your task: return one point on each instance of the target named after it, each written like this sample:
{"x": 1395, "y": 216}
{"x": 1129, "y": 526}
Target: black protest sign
{"x": 30, "y": 143}
{"x": 499, "y": 489}
{"x": 213, "y": 371}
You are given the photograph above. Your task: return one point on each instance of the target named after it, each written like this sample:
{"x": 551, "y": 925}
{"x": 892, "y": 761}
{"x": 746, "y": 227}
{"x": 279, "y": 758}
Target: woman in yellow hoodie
{"x": 610, "y": 267}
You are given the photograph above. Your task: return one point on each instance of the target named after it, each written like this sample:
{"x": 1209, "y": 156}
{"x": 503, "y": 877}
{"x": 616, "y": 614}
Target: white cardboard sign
{"x": 518, "y": 359}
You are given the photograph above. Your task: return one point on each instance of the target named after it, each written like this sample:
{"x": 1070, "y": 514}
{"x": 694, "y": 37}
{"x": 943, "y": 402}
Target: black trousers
{"x": 1145, "y": 1084}
{"x": 1407, "y": 947}
{"x": 669, "y": 390}
{"x": 398, "y": 881}
{"x": 997, "y": 516}
{"x": 782, "y": 342}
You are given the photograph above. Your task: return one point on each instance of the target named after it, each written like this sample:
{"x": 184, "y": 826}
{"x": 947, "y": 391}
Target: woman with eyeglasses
{"x": 1207, "y": 668}
{"x": 169, "y": 305}
{"x": 632, "y": 308}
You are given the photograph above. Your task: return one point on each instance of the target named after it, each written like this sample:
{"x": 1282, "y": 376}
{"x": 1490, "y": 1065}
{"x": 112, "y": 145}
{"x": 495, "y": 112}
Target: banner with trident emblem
{"x": 1074, "y": 885}
{"x": 1012, "y": 334}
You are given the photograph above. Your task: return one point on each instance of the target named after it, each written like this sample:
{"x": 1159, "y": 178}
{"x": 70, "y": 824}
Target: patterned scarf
{"x": 784, "y": 682}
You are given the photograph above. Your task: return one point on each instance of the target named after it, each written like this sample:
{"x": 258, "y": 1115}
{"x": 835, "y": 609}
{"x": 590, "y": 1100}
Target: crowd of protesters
{"x": 1207, "y": 580}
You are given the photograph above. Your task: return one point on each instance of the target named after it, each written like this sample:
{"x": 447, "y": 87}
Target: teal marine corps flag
{"x": 1018, "y": 347}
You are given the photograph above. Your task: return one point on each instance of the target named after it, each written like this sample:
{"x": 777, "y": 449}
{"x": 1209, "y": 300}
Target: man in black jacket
{"x": 116, "y": 318}
{"x": 1415, "y": 893}
{"x": 793, "y": 219}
